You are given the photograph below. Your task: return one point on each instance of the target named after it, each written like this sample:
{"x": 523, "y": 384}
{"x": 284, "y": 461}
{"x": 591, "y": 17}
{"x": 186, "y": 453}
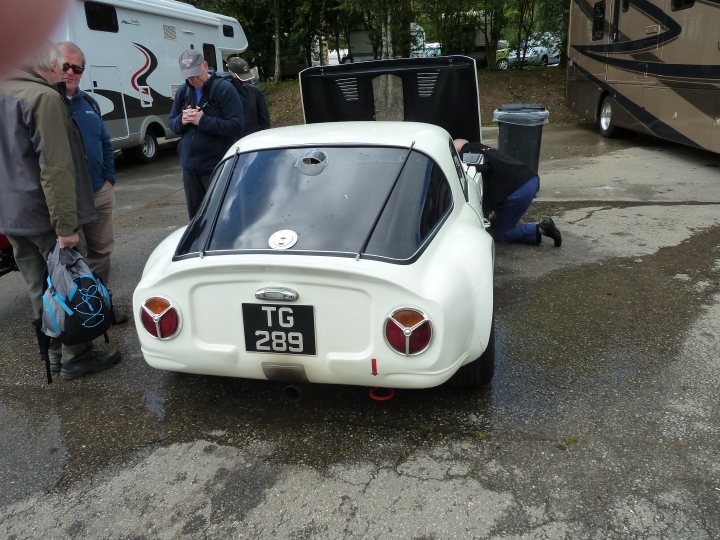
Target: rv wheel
{"x": 146, "y": 152}
{"x": 606, "y": 121}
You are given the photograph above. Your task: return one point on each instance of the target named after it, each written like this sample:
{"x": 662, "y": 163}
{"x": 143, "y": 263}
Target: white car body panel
{"x": 451, "y": 282}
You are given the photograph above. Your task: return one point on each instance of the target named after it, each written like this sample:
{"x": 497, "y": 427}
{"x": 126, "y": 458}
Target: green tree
{"x": 554, "y": 17}
{"x": 521, "y": 22}
{"x": 491, "y": 22}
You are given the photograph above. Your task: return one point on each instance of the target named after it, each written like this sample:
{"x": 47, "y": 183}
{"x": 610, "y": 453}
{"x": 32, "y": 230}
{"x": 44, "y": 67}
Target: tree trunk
{"x": 276, "y": 9}
{"x": 386, "y": 26}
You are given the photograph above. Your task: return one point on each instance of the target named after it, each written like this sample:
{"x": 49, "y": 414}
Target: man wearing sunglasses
{"x": 46, "y": 191}
{"x": 99, "y": 235}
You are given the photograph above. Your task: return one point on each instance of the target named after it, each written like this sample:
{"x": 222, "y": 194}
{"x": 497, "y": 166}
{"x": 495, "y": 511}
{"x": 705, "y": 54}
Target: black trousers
{"x": 196, "y": 186}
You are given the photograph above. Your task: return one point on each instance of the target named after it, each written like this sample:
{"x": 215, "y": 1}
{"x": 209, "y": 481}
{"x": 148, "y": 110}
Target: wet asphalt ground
{"x": 602, "y": 420}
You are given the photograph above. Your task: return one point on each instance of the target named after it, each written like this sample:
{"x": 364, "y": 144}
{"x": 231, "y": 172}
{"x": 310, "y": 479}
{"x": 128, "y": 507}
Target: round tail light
{"x": 160, "y": 318}
{"x": 408, "y": 331}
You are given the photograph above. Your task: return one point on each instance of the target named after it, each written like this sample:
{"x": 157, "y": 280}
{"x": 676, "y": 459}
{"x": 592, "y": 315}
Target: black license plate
{"x": 279, "y": 328}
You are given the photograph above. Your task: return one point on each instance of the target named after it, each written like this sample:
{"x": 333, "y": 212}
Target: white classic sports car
{"x": 333, "y": 252}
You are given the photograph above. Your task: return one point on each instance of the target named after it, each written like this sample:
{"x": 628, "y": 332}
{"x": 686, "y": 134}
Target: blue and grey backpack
{"x": 77, "y": 307}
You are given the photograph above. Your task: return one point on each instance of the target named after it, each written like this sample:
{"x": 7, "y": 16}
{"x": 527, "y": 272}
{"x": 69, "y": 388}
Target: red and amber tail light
{"x": 408, "y": 331}
{"x": 160, "y": 317}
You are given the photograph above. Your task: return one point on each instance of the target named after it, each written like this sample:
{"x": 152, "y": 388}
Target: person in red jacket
{"x": 509, "y": 186}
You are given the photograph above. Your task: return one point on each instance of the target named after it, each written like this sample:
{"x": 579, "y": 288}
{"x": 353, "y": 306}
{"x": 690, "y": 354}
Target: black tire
{"x": 478, "y": 372}
{"x": 502, "y": 64}
{"x": 606, "y": 120}
{"x": 544, "y": 60}
{"x": 146, "y": 152}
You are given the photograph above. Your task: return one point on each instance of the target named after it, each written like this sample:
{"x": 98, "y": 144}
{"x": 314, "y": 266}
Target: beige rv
{"x": 651, "y": 66}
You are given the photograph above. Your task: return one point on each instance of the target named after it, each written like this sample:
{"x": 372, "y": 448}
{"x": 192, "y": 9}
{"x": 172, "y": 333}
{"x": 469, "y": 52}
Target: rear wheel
{"x": 606, "y": 120}
{"x": 480, "y": 371}
{"x": 502, "y": 64}
{"x": 146, "y": 152}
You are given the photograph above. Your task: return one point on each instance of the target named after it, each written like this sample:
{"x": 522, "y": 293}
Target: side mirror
{"x": 473, "y": 159}
{"x": 478, "y": 160}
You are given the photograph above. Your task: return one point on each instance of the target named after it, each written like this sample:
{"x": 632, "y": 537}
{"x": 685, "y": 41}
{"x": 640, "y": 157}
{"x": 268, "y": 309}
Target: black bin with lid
{"x": 520, "y": 131}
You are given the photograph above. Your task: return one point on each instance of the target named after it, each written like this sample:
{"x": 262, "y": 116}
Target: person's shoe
{"x": 92, "y": 362}
{"x": 119, "y": 316}
{"x": 547, "y": 228}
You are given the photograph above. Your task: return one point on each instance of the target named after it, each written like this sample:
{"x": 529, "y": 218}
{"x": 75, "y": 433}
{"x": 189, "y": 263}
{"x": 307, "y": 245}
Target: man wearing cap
{"x": 208, "y": 114}
{"x": 257, "y": 116}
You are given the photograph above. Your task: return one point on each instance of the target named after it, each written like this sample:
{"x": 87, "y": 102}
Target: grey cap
{"x": 241, "y": 68}
{"x": 191, "y": 63}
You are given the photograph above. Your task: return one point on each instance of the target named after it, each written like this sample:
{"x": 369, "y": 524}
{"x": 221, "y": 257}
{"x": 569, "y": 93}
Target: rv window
{"x": 682, "y": 4}
{"x": 228, "y": 31}
{"x": 210, "y": 56}
{"x": 101, "y": 17}
{"x": 598, "y": 30}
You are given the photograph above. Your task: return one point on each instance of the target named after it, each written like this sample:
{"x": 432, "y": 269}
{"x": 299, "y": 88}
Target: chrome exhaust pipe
{"x": 292, "y": 393}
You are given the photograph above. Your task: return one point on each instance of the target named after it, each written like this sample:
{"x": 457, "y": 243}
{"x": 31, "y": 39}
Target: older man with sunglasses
{"x": 99, "y": 235}
{"x": 46, "y": 190}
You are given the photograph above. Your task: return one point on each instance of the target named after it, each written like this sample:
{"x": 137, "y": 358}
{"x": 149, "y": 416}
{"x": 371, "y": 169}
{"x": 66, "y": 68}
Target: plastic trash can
{"x": 520, "y": 131}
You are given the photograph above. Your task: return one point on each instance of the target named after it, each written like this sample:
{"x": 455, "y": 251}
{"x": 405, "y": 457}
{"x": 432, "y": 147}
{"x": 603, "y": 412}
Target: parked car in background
{"x": 542, "y": 50}
{"x": 501, "y": 55}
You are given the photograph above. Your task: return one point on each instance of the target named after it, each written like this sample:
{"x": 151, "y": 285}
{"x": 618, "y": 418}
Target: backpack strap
{"x": 214, "y": 81}
{"x": 44, "y": 346}
{"x": 188, "y": 95}
{"x": 93, "y": 103}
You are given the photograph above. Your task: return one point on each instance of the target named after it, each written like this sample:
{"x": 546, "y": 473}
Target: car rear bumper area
{"x": 391, "y": 373}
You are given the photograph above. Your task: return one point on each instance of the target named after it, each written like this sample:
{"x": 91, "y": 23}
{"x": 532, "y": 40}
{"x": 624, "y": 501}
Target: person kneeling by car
{"x": 509, "y": 186}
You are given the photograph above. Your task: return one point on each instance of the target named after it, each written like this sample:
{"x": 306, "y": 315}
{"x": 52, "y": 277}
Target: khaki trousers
{"x": 100, "y": 235}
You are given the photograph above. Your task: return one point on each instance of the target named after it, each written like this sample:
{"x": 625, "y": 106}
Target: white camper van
{"x": 132, "y": 49}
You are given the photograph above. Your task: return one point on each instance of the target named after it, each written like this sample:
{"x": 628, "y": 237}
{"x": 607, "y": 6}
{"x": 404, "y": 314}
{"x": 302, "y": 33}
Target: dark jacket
{"x": 44, "y": 182}
{"x": 257, "y": 116}
{"x": 98, "y": 146}
{"x": 501, "y": 174}
{"x": 203, "y": 146}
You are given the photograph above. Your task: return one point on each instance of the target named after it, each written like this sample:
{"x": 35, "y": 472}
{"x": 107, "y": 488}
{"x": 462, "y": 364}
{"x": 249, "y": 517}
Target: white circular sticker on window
{"x": 284, "y": 239}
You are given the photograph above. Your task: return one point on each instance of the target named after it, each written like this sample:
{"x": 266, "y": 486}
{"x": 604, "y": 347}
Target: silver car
{"x": 542, "y": 50}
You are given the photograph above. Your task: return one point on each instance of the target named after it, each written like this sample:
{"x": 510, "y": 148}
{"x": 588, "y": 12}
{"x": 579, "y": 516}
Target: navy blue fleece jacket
{"x": 203, "y": 146}
{"x": 96, "y": 139}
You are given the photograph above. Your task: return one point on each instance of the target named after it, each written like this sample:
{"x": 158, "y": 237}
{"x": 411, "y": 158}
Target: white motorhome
{"x": 132, "y": 49}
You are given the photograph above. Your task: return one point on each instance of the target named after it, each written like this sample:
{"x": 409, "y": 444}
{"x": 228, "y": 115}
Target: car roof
{"x": 442, "y": 91}
{"x": 427, "y": 138}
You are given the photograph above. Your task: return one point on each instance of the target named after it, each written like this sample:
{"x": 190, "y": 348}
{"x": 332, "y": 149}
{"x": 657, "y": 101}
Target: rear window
{"x": 383, "y": 202}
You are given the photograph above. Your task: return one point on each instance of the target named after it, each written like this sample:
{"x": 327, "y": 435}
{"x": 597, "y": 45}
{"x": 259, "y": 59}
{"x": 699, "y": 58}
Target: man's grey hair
{"x": 46, "y": 56}
{"x": 72, "y": 48}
